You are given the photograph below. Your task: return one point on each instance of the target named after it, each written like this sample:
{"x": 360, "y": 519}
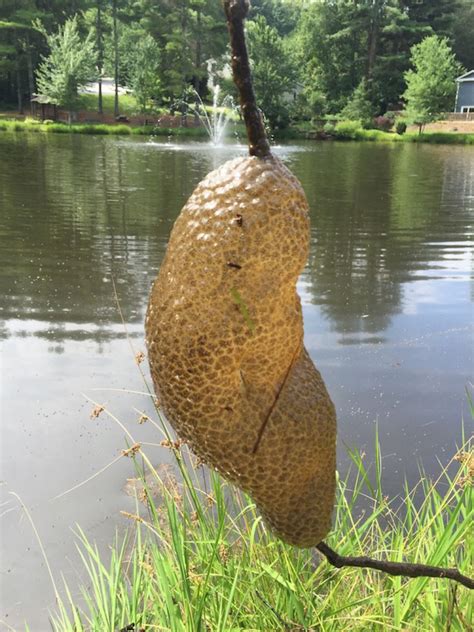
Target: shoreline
{"x": 347, "y": 132}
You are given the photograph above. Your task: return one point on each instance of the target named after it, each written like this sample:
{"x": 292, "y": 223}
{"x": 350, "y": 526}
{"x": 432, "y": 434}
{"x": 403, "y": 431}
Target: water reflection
{"x": 79, "y": 211}
{"x": 381, "y": 217}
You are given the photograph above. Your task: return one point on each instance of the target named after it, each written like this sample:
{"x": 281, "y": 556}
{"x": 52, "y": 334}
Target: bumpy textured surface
{"x": 224, "y": 334}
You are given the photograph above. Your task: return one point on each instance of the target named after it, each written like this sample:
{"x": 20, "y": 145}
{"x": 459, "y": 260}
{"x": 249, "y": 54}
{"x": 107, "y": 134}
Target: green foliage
{"x": 279, "y": 14}
{"x": 348, "y": 130}
{"x": 462, "y": 33}
{"x": 69, "y": 65}
{"x": 441, "y": 138}
{"x": 316, "y": 54}
{"x": 329, "y": 128}
{"x": 359, "y": 106}
{"x": 272, "y": 71}
{"x": 144, "y": 72}
{"x": 323, "y": 43}
{"x": 401, "y": 127}
{"x": 431, "y": 84}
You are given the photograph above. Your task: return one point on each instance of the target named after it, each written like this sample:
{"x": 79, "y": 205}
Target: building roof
{"x": 467, "y": 76}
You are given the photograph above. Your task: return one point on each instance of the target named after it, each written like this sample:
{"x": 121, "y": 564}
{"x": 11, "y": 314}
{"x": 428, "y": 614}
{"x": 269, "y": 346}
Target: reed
{"x": 200, "y": 558}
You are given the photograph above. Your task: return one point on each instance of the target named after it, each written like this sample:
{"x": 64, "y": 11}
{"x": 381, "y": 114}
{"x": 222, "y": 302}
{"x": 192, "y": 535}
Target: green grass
{"x": 352, "y": 130}
{"x": 33, "y": 125}
{"x": 127, "y": 103}
{"x": 344, "y": 130}
{"x": 200, "y": 559}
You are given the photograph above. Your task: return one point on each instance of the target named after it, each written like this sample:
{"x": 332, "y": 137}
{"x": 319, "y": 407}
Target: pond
{"x": 387, "y": 299}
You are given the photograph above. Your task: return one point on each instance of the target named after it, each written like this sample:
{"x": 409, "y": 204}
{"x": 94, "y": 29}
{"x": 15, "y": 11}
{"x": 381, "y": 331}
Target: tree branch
{"x": 236, "y": 11}
{"x": 394, "y": 568}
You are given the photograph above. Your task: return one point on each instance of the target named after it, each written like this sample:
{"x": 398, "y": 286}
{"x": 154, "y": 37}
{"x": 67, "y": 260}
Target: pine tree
{"x": 272, "y": 72}
{"x": 359, "y": 107}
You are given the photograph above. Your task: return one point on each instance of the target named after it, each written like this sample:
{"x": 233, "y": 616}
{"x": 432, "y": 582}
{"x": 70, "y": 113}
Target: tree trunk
{"x": 18, "y": 86}
{"x": 100, "y": 51}
{"x": 31, "y": 76}
{"x": 198, "y": 51}
{"x": 184, "y": 24}
{"x": 116, "y": 60}
{"x": 374, "y": 32}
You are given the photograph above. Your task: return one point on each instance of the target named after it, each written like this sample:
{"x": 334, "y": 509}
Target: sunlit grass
{"x": 198, "y": 557}
{"x": 34, "y": 125}
{"x": 352, "y": 130}
{"x": 127, "y": 103}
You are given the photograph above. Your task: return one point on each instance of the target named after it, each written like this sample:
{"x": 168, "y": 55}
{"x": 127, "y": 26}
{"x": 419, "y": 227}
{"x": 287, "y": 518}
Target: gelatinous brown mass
{"x": 225, "y": 342}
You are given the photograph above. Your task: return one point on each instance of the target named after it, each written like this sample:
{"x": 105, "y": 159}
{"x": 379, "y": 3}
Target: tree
{"x": 463, "y": 29}
{"x": 431, "y": 85}
{"x": 272, "y": 71}
{"x": 435, "y": 15}
{"x": 279, "y": 14}
{"x": 116, "y": 57}
{"x": 359, "y": 106}
{"x": 329, "y": 52}
{"x": 144, "y": 73}
{"x": 69, "y": 65}
{"x": 100, "y": 51}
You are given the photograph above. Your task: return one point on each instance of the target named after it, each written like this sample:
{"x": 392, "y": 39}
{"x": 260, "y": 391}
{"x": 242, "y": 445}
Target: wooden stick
{"x": 394, "y": 568}
{"x": 236, "y": 11}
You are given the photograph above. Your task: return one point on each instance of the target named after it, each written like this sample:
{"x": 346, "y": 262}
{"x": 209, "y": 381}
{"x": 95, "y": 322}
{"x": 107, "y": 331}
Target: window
{"x": 467, "y": 108}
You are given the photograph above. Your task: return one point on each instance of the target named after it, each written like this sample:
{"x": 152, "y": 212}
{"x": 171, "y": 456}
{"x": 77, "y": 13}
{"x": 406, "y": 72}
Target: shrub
{"x": 329, "y": 128}
{"x": 359, "y": 107}
{"x": 401, "y": 127}
{"x": 383, "y": 122}
{"x": 391, "y": 114}
{"x": 348, "y": 129}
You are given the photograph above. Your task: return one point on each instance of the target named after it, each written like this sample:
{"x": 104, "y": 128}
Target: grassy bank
{"x": 32, "y": 125}
{"x": 352, "y": 130}
{"x": 345, "y": 130}
{"x": 197, "y": 557}
{"x": 349, "y": 130}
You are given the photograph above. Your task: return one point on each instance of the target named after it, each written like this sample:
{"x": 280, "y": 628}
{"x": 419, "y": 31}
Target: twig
{"x": 236, "y": 11}
{"x": 394, "y": 568}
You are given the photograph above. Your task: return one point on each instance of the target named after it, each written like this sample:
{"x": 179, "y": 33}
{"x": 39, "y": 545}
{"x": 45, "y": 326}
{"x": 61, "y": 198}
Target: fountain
{"x": 216, "y": 122}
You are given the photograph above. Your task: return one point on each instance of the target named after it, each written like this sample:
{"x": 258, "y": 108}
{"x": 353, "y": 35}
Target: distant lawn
{"x": 127, "y": 103}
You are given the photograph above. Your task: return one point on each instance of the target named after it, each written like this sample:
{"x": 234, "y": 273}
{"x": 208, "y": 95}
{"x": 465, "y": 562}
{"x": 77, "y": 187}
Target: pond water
{"x": 387, "y": 298}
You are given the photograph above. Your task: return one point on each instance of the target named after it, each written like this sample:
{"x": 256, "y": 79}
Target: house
{"x": 465, "y": 93}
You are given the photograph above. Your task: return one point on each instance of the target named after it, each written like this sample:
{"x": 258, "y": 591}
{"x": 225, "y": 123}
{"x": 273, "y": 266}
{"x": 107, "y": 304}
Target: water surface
{"x": 387, "y": 298}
